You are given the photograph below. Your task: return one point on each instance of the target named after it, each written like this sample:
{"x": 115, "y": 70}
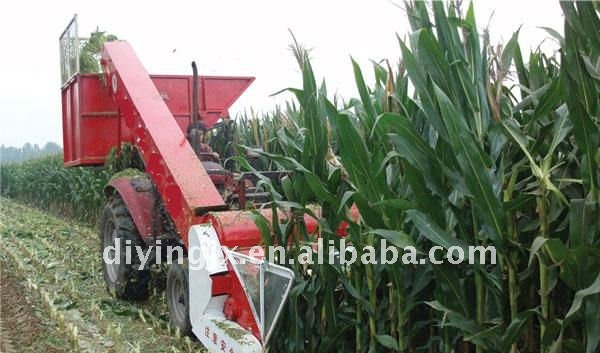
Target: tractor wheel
{"x": 178, "y": 297}
{"x": 124, "y": 280}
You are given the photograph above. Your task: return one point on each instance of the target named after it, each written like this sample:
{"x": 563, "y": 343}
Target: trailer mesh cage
{"x": 266, "y": 285}
{"x": 69, "y": 51}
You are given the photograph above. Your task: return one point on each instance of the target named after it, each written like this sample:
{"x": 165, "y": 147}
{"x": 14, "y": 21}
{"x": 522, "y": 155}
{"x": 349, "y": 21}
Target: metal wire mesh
{"x": 69, "y": 51}
{"x": 276, "y": 286}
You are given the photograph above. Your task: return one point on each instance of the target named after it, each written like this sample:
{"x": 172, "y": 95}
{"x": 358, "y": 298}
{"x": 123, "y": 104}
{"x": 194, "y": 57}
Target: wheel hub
{"x": 178, "y": 301}
{"x": 112, "y": 269}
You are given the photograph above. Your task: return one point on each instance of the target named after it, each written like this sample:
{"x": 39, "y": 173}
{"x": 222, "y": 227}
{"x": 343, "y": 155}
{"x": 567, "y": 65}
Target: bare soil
{"x": 20, "y": 329}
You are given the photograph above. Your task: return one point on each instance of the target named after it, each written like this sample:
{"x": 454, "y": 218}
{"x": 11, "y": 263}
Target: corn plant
{"x": 463, "y": 160}
{"x": 46, "y": 183}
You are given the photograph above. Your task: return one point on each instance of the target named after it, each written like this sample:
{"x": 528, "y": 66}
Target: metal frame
{"x": 263, "y": 266}
{"x": 274, "y": 268}
{"x": 231, "y": 256}
{"x": 69, "y": 51}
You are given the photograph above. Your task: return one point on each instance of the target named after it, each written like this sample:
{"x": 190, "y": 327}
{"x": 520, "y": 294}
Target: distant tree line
{"x": 9, "y": 154}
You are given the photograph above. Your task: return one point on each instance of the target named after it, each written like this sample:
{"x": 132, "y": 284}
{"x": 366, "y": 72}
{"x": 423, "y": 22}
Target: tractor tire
{"x": 178, "y": 297}
{"x": 125, "y": 281}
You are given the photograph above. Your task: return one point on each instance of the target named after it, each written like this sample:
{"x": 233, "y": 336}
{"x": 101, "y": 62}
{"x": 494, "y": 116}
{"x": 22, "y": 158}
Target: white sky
{"x": 226, "y": 37}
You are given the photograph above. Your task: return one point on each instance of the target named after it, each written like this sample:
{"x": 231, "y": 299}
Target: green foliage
{"x": 89, "y": 57}
{"x": 461, "y": 159}
{"x": 45, "y": 183}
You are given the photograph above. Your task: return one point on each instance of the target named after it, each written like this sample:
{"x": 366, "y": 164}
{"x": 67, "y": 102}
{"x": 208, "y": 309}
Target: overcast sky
{"x": 247, "y": 38}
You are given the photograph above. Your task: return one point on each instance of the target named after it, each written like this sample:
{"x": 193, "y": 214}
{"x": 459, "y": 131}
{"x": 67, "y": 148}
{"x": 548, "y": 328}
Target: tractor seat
{"x": 212, "y": 167}
{"x": 220, "y": 176}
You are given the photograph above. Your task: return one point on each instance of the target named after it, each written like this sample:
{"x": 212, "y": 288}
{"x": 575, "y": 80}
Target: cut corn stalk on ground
{"x": 463, "y": 143}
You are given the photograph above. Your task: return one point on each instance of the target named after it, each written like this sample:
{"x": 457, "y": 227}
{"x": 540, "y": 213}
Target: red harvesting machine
{"x": 180, "y": 196}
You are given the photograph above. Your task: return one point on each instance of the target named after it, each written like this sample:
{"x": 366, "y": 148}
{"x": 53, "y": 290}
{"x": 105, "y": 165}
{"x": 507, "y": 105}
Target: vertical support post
{"x": 195, "y": 142}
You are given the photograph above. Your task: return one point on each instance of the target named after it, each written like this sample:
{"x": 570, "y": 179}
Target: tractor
{"x": 175, "y": 193}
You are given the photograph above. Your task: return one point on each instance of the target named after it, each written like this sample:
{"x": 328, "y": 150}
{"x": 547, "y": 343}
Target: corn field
{"x": 72, "y": 192}
{"x": 463, "y": 143}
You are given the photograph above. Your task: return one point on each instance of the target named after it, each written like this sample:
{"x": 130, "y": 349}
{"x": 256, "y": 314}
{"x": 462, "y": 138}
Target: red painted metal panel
{"x": 91, "y": 120}
{"x": 175, "y": 91}
{"x": 184, "y": 186}
{"x": 218, "y": 94}
{"x": 139, "y": 202}
{"x": 66, "y": 122}
{"x": 236, "y": 228}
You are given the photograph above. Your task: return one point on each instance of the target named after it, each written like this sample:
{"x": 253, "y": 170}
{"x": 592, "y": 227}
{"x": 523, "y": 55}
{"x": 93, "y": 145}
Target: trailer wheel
{"x": 178, "y": 297}
{"x": 124, "y": 280}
